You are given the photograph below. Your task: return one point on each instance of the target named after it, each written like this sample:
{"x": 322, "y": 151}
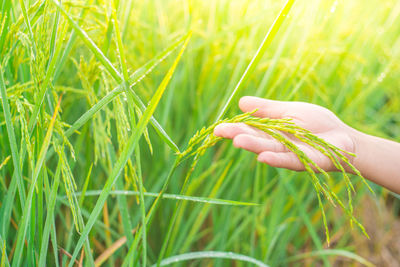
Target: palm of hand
{"x": 316, "y": 119}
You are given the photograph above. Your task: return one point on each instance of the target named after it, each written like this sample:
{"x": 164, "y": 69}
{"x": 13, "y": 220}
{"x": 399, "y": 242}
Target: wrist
{"x": 377, "y": 159}
{"x": 358, "y": 139}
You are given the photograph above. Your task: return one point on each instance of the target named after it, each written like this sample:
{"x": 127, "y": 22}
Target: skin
{"x": 376, "y": 158}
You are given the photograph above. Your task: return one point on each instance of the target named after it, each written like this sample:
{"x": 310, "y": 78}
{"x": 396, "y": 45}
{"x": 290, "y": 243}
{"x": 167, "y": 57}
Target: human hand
{"x": 320, "y": 121}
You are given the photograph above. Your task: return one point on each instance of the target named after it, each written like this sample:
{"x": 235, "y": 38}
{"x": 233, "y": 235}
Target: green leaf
{"x": 210, "y": 255}
{"x": 330, "y": 252}
{"x": 269, "y": 37}
{"x": 14, "y": 153}
{"x": 207, "y": 200}
{"x": 134, "y": 79}
{"x": 49, "y": 217}
{"x": 126, "y": 153}
{"x": 27, "y": 209}
{"x": 91, "y": 45}
{"x": 63, "y": 58}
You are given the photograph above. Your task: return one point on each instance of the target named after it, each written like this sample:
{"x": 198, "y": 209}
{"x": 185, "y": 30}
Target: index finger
{"x": 265, "y": 107}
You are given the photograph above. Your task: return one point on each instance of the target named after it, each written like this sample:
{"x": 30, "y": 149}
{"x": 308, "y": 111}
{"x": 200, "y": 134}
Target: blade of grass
{"x": 41, "y": 96}
{"x": 208, "y": 200}
{"x": 69, "y": 184}
{"x": 53, "y": 237}
{"x": 211, "y": 255}
{"x": 127, "y": 152}
{"x": 44, "y": 86}
{"x": 137, "y": 148}
{"x": 330, "y": 252}
{"x": 14, "y": 153}
{"x": 114, "y": 73}
{"x": 202, "y": 214}
{"x": 121, "y": 200}
{"x": 135, "y": 78}
{"x": 85, "y": 186}
{"x": 305, "y": 217}
{"x": 269, "y": 37}
{"x": 6, "y": 21}
{"x": 122, "y": 203}
{"x": 120, "y": 46}
{"x": 54, "y": 36}
{"x": 63, "y": 58}
{"x": 28, "y": 25}
{"x": 27, "y": 209}
{"x": 49, "y": 217}
{"x": 91, "y": 45}
{"x": 128, "y": 11}
{"x": 142, "y": 205}
{"x": 149, "y": 217}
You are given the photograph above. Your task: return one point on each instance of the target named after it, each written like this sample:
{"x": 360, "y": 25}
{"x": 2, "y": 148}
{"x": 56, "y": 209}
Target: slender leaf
{"x": 49, "y": 217}
{"x": 208, "y": 200}
{"x": 211, "y": 255}
{"x": 14, "y": 153}
{"x": 135, "y": 78}
{"x": 330, "y": 252}
{"x": 269, "y": 37}
{"x": 126, "y": 153}
{"x": 27, "y": 209}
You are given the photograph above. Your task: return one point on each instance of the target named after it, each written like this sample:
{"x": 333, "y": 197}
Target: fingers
{"x": 248, "y": 138}
{"x": 230, "y": 130}
{"x": 266, "y": 108}
{"x": 287, "y": 160}
{"x": 257, "y": 144}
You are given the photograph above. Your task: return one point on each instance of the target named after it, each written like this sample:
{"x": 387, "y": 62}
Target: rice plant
{"x": 104, "y": 159}
{"x": 205, "y": 138}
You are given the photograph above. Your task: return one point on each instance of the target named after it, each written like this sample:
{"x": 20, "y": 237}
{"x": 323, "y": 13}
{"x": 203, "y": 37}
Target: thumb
{"x": 265, "y": 108}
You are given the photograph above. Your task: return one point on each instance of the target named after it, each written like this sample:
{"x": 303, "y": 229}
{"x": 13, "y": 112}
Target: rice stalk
{"x": 27, "y": 208}
{"x": 204, "y": 139}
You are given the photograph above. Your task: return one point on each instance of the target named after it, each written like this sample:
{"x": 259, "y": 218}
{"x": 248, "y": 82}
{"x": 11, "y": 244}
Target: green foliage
{"x": 106, "y": 171}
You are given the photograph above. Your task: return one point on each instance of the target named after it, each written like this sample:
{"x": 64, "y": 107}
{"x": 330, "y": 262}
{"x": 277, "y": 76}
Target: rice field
{"x": 107, "y": 156}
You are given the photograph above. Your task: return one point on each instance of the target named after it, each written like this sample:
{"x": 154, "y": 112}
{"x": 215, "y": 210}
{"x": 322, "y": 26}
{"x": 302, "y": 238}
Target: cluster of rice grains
{"x": 277, "y": 128}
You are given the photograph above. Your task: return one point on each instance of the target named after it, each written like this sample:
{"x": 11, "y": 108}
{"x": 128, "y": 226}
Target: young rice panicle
{"x": 276, "y": 128}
